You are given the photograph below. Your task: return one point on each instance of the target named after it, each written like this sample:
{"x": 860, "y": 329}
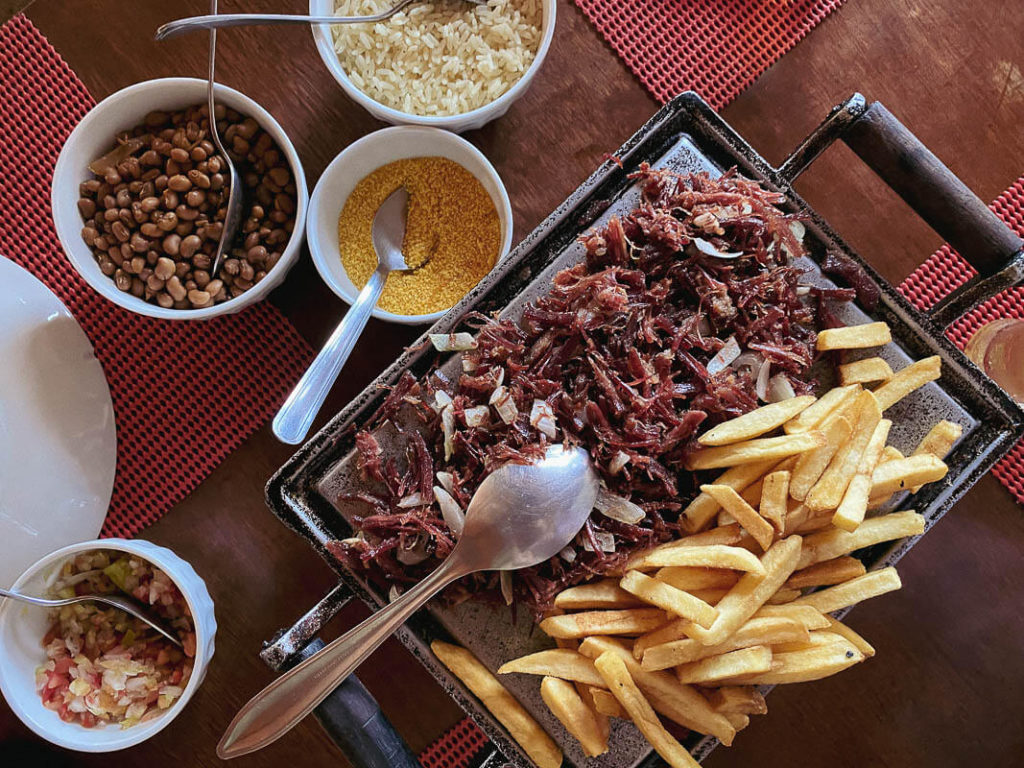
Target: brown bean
{"x": 154, "y": 283}
{"x": 167, "y": 221}
{"x": 241, "y": 285}
{"x": 185, "y": 213}
{"x": 230, "y": 266}
{"x": 189, "y": 246}
{"x": 176, "y": 289}
{"x": 89, "y": 235}
{"x": 101, "y": 243}
{"x": 120, "y": 231}
{"x": 214, "y": 287}
{"x": 138, "y": 288}
{"x": 194, "y": 198}
{"x": 183, "y": 269}
{"x": 87, "y": 207}
{"x": 138, "y": 243}
{"x": 256, "y": 255}
{"x": 184, "y": 228}
{"x": 149, "y": 229}
{"x": 169, "y": 199}
{"x": 198, "y": 154}
{"x": 171, "y": 244}
{"x": 245, "y": 271}
{"x": 155, "y": 119}
{"x": 107, "y": 266}
{"x": 198, "y": 298}
{"x": 180, "y": 155}
{"x": 179, "y": 183}
{"x": 201, "y": 261}
{"x": 164, "y": 300}
{"x": 199, "y": 179}
{"x": 279, "y": 175}
{"x": 172, "y": 168}
{"x": 138, "y": 263}
{"x": 240, "y": 146}
{"x": 164, "y": 268}
{"x": 122, "y": 280}
{"x": 202, "y": 277}
{"x": 252, "y": 240}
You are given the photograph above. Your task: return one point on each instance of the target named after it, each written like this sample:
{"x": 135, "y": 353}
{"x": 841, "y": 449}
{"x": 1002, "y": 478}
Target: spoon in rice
{"x": 125, "y": 604}
{"x": 193, "y": 23}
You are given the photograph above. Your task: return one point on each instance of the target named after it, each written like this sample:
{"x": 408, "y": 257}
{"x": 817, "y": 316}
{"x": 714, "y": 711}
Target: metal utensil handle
{"x": 354, "y": 720}
{"x": 281, "y": 705}
{"x": 32, "y": 600}
{"x": 292, "y": 422}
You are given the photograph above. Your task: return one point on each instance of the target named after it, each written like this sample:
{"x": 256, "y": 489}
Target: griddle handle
{"x": 354, "y": 720}
{"x": 932, "y": 190}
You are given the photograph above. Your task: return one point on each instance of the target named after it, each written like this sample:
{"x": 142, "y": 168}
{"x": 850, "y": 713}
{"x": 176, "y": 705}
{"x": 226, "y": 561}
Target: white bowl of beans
{"x": 63, "y": 715}
{"x": 141, "y": 237}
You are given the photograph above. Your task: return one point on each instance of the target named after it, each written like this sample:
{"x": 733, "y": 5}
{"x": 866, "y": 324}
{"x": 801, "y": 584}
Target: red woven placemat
{"x": 715, "y": 47}
{"x": 185, "y": 394}
{"x": 456, "y": 748}
{"x": 945, "y": 270}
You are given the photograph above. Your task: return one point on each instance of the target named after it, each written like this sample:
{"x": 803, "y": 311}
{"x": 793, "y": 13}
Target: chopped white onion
{"x": 412, "y": 500}
{"x": 452, "y": 513}
{"x": 707, "y": 248}
{"x": 619, "y": 460}
{"x": 452, "y": 342}
{"x": 725, "y": 357}
{"x": 568, "y": 554}
{"x": 780, "y": 388}
{"x": 542, "y": 418}
{"x": 500, "y": 378}
{"x": 761, "y": 385}
{"x": 441, "y": 400}
{"x": 803, "y": 290}
{"x": 798, "y": 229}
{"x": 413, "y": 555}
{"x": 618, "y": 508}
{"x": 503, "y": 403}
{"x": 447, "y": 481}
{"x": 505, "y": 578}
{"x": 605, "y": 540}
{"x": 394, "y": 593}
{"x": 468, "y": 366}
{"x": 475, "y": 416}
{"x": 448, "y": 425}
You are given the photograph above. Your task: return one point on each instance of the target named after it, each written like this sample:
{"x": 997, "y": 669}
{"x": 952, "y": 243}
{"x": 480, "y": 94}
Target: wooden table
{"x": 945, "y": 688}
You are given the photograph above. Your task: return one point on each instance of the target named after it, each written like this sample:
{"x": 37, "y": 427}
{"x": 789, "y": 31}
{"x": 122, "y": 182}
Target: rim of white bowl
{"x": 153, "y": 554}
{"x": 68, "y": 223}
{"x": 325, "y": 46}
{"x": 320, "y": 252}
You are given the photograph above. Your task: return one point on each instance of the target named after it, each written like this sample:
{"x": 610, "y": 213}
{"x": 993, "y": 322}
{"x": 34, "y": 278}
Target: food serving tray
{"x": 684, "y": 136}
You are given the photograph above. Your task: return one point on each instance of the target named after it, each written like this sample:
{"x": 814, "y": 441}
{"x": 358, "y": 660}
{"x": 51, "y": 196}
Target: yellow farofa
{"x": 448, "y": 209}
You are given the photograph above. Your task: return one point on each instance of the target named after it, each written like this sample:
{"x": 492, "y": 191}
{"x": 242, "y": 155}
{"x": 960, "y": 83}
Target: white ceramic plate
{"x": 58, "y": 447}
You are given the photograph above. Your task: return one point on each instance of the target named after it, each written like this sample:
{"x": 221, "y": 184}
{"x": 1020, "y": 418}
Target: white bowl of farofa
{"x": 364, "y": 157}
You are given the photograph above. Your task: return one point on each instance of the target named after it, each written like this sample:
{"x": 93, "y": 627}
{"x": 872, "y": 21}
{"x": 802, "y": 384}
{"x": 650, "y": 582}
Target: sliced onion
{"x": 413, "y": 555}
{"x": 412, "y": 500}
{"x": 761, "y": 385}
{"x": 542, "y": 418}
{"x": 499, "y": 379}
{"x": 618, "y": 508}
{"x": 505, "y": 579}
{"x": 475, "y": 416}
{"x": 780, "y": 388}
{"x": 448, "y": 426}
{"x": 452, "y": 513}
{"x": 726, "y": 355}
{"x": 798, "y": 229}
{"x": 469, "y": 366}
{"x": 605, "y": 540}
{"x": 503, "y": 403}
{"x": 568, "y": 554}
{"x": 619, "y": 460}
{"x": 441, "y": 400}
{"x": 447, "y": 481}
{"x": 751, "y": 360}
{"x": 707, "y": 248}
{"x": 452, "y": 342}
{"x": 394, "y": 593}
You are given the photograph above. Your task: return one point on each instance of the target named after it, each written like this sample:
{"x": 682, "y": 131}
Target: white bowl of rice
{"x": 446, "y": 64}
{"x": 88, "y": 677}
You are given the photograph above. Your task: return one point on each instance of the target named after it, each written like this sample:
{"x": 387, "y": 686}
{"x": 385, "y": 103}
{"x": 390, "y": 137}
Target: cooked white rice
{"x": 441, "y": 58}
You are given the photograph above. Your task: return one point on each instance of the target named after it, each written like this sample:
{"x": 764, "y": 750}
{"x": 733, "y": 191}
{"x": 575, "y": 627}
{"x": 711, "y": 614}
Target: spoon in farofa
{"x": 292, "y": 422}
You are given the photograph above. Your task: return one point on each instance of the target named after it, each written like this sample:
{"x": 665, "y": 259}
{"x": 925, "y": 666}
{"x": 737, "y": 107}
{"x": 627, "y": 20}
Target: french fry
{"x": 709, "y": 596}
{"x": 826, "y": 573}
{"x": 831, "y": 544}
{"x": 663, "y": 634}
{"x": 750, "y": 592}
{"x": 901, "y": 474}
{"x": 828, "y": 492}
{"x": 774, "y": 498}
{"x": 699, "y": 511}
{"x": 853, "y": 591}
{"x": 563, "y": 663}
{"x": 796, "y": 516}
{"x": 680, "y": 703}
{"x": 690, "y": 579}
{"x": 889, "y": 453}
{"x": 854, "y": 505}
{"x": 605, "y": 703}
{"x": 739, "y": 722}
{"x": 810, "y": 465}
{"x": 757, "y": 422}
{"x": 625, "y": 621}
{"x": 802, "y": 666}
{"x": 723, "y": 535}
{"x": 814, "y": 640}
{"x": 864, "y": 371}
{"x": 812, "y": 522}
{"x": 859, "y": 642}
{"x": 854, "y": 337}
{"x": 907, "y": 380}
{"x": 810, "y": 617}
{"x": 756, "y": 450}
{"x": 745, "y": 661}
{"x": 737, "y": 700}
{"x": 745, "y": 515}
{"x": 599, "y": 594}
{"x": 814, "y": 415}
{"x": 783, "y": 596}
{"x": 572, "y": 711}
{"x": 938, "y": 442}
{"x": 622, "y": 686}
{"x": 752, "y": 493}
{"x": 502, "y": 704}
{"x": 668, "y": 598}
{"x": 707, "y": 556}
{"x": 758, "y": 631}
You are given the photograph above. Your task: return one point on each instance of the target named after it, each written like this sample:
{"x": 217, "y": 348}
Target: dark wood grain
{"x": 945, "y": 687}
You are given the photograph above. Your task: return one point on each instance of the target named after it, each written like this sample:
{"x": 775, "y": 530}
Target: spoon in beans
{"x": 193, "y": 23}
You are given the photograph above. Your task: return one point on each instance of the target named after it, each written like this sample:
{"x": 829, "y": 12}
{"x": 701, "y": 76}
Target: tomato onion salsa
{"x": 103, "y": 665}
{"x": 651, "y": 337}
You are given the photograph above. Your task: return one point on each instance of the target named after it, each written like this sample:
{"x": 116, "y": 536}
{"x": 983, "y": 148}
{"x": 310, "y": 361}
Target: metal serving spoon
{"x": 125, "y": 604}
{"x": 181, "y": 26}
{"x": 292, "y": 422}
{"x": 521, "y": 515}
{"x": 233, "y": 217}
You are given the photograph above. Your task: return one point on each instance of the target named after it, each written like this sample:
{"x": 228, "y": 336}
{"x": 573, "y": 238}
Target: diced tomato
{"x": 87, "y": 719}
{"x": 189, "y": 643}
{"x": 63, "y": 666}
